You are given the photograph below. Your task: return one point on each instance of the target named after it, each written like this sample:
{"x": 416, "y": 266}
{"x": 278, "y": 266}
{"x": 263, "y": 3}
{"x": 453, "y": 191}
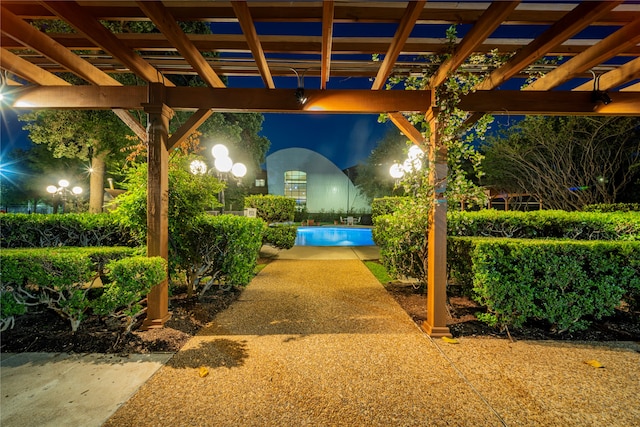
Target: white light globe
{"x": 63, "y": 183}
{"x": 239, "y": 170}
{"x": 219, "y": 150}
{"x": 76, "y": 190}
{"x": 198, "y": 167}
{"x": 52, "y": 189}
{"x": 415, "y": 152}
{"x": 223, "y": 164}
{"x": 396, "y": 171}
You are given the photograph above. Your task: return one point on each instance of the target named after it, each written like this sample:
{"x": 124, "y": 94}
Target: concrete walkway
{"x": 316, "y": 340}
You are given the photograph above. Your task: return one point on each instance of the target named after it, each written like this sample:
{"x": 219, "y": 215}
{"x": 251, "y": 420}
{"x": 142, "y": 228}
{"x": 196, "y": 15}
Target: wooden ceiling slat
{"x": 243, "y": 14}
{"x": 606, "y": 49}
{"x": 483, "y": 28}
{"x": 327, "y": 40}
{"x": 28, "y": 71}
{"x": 405, "y": 27}
{"x": 614, "y": 78}
{"x": 36, "y": 40}
{"x": 84, "y": 22}
{"x": 169, "y": 27}
{"x": 570, "y": 24}
{"x": 632, "y": 88}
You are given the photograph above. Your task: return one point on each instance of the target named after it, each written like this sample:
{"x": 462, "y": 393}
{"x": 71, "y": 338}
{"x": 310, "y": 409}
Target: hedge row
{"x": 545, "y": 224}
{"x": 272, "y": 209}
{"x": 40, "y": 230}
{"x": 71, "y": 281}
{"x": 567, "y": 283}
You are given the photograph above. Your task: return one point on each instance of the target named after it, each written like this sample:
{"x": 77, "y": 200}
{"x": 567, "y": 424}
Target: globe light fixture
{"x": 220, "y": 151}
{"x": 61, "y": 191}
{"x": 239, "y": 170}
{"x": 415, "y": 152}
{"x": 223, "y": 164}
{"x": 198, "y": 167}
{"x": 396, "y": 171}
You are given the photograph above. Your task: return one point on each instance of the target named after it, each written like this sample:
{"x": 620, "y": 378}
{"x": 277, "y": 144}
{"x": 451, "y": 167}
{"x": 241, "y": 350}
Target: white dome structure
{"x": 313, "y": 180}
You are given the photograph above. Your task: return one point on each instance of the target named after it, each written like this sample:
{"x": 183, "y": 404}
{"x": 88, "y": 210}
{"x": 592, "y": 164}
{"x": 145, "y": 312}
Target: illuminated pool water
{"x": 334, "y": 236}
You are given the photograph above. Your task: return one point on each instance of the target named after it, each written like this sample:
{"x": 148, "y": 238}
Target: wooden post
{"x": 158, "y": 116}
{"x": 436, "y": 323}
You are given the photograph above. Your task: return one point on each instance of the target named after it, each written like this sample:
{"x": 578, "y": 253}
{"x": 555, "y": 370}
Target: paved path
{"x": 321, "y": 343}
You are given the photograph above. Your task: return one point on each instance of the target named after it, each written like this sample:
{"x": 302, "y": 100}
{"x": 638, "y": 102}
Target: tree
{"x": 566, "y": 162}
{"x": 373, "y": 178}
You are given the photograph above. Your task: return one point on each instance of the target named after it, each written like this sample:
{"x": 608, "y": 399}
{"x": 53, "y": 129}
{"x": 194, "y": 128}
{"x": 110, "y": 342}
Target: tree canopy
{"x": 566, "y": 162}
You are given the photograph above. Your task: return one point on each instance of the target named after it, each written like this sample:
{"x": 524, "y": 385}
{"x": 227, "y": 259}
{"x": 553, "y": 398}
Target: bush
{"x": 222, "y": 249}
{"x": 280, "y": 236}
{"x": 59, "y": 278}
{"x": 272, "y": 209}
{"x": 386, "y": 206}
{"x": 401, "y": 237}
{"x": 566, "y": 283}
{"x": 545, "y": 224}
{"x": 38, "y": 230}
{"x": 612, "y": 207}
{"x": 130, "y": 280}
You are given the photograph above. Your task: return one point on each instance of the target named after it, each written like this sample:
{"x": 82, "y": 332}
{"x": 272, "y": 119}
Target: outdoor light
{"x": 415, "y": 152}
{"x": 239, "y": 170}
{"x": 597, "y": 95}
{"x": 396, "y": 171}
{"x": 223, "y": 164}
{"x": 300, "y": 96}
{"x": 220, "y": 150}
{"x": 198, "y": 167}
{"x": 61, "y": 191}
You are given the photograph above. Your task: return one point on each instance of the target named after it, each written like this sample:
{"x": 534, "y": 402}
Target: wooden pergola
{"x": 261, "y": 42}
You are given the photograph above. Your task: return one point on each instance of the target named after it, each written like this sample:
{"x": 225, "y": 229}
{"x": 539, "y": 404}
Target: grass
{"x": 379, "y": 271}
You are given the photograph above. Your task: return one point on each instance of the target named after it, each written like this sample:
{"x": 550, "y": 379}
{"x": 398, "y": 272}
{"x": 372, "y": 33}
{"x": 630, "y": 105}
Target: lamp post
{"x": 223, "y": 165}
{"x": 61, "y": 191}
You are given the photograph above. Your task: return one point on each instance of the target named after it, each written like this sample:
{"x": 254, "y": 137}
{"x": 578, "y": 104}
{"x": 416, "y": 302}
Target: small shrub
{"x": 280, "y": 236}
{"x": 272, "y": 209}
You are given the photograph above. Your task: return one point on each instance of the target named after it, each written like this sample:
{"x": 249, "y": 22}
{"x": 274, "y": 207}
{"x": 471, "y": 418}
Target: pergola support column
{"x": 436, "y": 323}
{"x": 158, "y": 116}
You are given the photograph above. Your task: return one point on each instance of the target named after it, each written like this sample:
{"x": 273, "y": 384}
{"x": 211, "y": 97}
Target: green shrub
{"x": 38, "y": 230}
{"x": 272, "y": 209}
{"x": 10, "y": 306}
{"x": 222, "y": 249}
{"x": 545, "y": 224}
{"x": 402, "y": 242}
{"x": 130, "y": 280}
{"x": 59, "y": 278}
{"x": 280, "y": 236}
{"x": 386, "y": 206}
{"x": 566, "y": 283}
{"x": 612, "y": 207}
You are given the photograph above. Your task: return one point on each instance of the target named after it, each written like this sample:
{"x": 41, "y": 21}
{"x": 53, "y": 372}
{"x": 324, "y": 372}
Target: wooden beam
{"x": 408, "y": 129}
{"x": 188, "y": 128}
{"x": 83, "y": 21}
{"x": 491, "y": 19}
{"x": 327, "y": 41}
{"x": 569, "y": 25}
{"x": 225, "y": 99}
{"x": 614, "y": 78}
{"x": 629, "y": 35}
{"x": 243, "y": 14}
{"x": 558, "y": 103}
{"x": 161, "y": 17}
{"x": 409, "y": 18}
{"x": 39, "y": 41}
{"x": 632, "y": 88}
{"x": 133, "y": 124}
{"x": 28, "y": 71}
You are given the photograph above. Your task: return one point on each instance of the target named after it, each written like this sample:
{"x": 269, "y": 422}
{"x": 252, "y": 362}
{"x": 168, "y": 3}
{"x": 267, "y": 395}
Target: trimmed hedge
{"x": 272, "y": 209}
{"x": 567, "y": 283}
{"x": 40, "y": 230}
{"x": 545, "y": 224}
{"x": 222, "y": 249}
{"x": 280, "y": 236}
{"x": 62, "y": 278}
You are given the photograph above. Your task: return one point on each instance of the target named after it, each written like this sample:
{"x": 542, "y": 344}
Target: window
{"x": 295, "y": 186}
{"x": 260, "y": 182}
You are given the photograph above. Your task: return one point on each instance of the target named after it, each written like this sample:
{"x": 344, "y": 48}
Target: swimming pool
{"x": 334, "y": 236}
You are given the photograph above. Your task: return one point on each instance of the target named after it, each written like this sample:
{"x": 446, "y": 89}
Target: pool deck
{"x": 363, "y": 253}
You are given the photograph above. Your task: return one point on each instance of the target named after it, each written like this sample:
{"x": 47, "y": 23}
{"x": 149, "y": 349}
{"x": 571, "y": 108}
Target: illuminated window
{"x": 295, "y": 186}
{"x": 260, "y": 182}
